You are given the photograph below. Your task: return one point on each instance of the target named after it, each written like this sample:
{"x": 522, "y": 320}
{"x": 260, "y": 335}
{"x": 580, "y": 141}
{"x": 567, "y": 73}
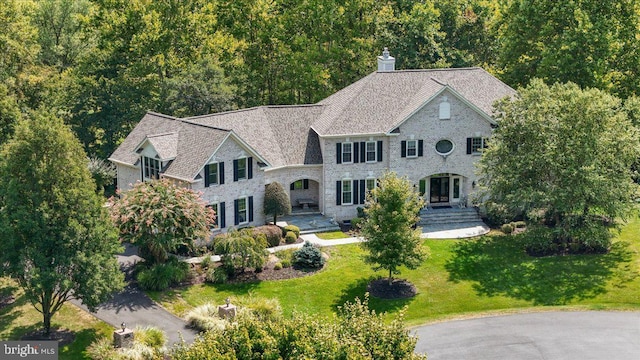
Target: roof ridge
{"x": 254, "y": 108}
{"x": 430, "y": 70}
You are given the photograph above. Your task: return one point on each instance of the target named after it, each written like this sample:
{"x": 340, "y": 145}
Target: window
{"x": 213, "y": 174}
{"x": 347, "y": 152}
{"x": 216, "y": 221}
{"x": 371, "y": 151}
{"x": 347, "y": 192}
{"x": 241, "y": 168}
{"x": 241, "y": 211}
{"x": 297, "y": 185}
{"x": 477, "y": 144}
{"x": 444, "y": 147}
{"x": 412, "y": 148}
{"x": 371, "y": 184}
{"x": 151, "y": 168}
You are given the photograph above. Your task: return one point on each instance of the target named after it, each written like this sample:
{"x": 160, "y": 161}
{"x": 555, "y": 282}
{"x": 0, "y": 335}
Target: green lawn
{"x": 332, "y": 235}
{"x": 461, "y": 278}
{"x": 20, "y": 318}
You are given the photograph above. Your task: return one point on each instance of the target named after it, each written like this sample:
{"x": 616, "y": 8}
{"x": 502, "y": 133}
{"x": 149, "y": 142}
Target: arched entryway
{"x": 304, "y": 195}
{"x": 443, "y": 189}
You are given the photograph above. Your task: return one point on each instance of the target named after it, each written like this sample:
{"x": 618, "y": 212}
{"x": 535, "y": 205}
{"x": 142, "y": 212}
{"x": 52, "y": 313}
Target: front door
{"x": 439, "y": 190}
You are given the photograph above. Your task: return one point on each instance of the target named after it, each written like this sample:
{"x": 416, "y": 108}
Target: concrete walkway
{"x": 133, "y": 307}
{"x": 583, "y": 335}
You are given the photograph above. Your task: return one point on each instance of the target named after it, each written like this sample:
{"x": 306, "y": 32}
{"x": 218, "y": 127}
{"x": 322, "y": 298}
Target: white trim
{"x": 217, "y": 164}
{"x": 293, "y": 167}
{"x": 246, "y": 166}
{"x": 375, "y": 152}
{"x": 342, "y": 192}
{"x": 246, "y": 210}
{"x": 407, "y": 148}
{"x": 118, "y": 162}
{"x": 453, "y": 147}
{"x": 342, "y": 152}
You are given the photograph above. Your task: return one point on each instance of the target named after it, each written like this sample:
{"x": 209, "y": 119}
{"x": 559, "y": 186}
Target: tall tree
{"x": 159, "y": 216}
{"x": 276, "y": 201}
{"x": 563, "y": 154}
{"x": 391, "y": 214}
{"x": 578, "y": 41}
{"x": 58, "y": 241}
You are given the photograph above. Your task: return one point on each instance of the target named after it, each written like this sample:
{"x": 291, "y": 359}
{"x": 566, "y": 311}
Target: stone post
{"x": 123, "y": 338}
{"x": 227, "y": 311}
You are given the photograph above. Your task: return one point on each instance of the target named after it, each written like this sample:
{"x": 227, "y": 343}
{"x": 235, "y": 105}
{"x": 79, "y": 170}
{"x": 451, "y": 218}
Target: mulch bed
{"x": 62, "y": 336}
{"x": 399, "y": 289}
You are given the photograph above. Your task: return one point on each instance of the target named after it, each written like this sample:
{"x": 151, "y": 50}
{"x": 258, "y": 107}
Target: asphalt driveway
{"x": 536, "y": 336}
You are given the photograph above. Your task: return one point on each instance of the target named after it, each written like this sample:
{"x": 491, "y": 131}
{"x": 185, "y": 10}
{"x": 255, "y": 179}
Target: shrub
{"x": 519, "y": 224}
{"x": 240, "y": 250}
{"x": 308, "y": 257}
{"x": 161, "y": 276}
{"x": 205, "y": 318}
{"x": 273, "y": 234}
{"x": 539, "y": 241}
{"x": 101, "y": 349}
{"x": 356, "y": 222}
{"x": 277, "y": 266}
{"x": 361, "y": 213}
{"x": 506, "y": 228}
{"x": 260, "y": 307}
{"x": 295, "y": 229}
{"x": 206, "y": 262}
{"x": 217, "y": 275}
{"x": 590, "y": 238}
{"x": 150, "y": 336}
{"x": 290, "y": 238}
{"x": 285, "y": 263}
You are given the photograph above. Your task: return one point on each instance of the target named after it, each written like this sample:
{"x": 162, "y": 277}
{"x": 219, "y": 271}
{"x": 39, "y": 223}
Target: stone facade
{"x": 288, "y": 175}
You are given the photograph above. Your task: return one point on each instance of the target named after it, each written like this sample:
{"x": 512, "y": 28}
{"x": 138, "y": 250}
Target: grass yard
{"x": 332, "y": 235}
{"x": 461, "y": 278}
{"x": 20, "y": 318}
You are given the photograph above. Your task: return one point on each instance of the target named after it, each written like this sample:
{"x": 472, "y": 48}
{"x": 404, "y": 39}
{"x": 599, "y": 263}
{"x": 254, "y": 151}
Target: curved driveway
{"x": 580, "y": 335}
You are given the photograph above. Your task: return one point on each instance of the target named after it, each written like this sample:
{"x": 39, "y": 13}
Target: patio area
{"x": 309, "y": 221}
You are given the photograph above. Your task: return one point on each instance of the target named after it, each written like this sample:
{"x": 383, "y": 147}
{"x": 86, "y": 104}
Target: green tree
{"x": 58, "y": 241}
{"x": 276, "y": 201}
{"x": 159, "y": 216}
{"x": 390, "y": 238}
{"x": 241, "y": 249}
{"x": 563, "y": 154}
{"x": 578, "y": 41}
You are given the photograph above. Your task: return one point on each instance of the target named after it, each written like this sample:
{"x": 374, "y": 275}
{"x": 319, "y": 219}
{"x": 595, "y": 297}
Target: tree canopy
{"x": 562, "y": 154}
{"x": 276, "y": 201}
{"x": 57, "y": 239}
{"x": 159, "y": 216}
{"x": 391, "y": 210}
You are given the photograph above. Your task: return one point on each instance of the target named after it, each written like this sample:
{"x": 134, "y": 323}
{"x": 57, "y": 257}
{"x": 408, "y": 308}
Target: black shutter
{"x": 235, "y": 171}
{"x": 236, "y": 217}
{"x": 221, "y": 172}
{"x": 363, "y": 152}
{"x": 222, "y": 219}
{"x": 338, "y": 192}
{"x": 355, "y": 193}
{"x": 250, "y": 167}
{"x": 305, "y": 184}
{"x": 379, "y": 152}
{"x": 206, "y": 175}
{"x": 339, "y": 153}
{"x": 420, "y": 147}
{"x": 469, "y": 145}
{"x": 250, "y": 208}
{"x": 292, "y": 187}
{"x": 363, "y": 191}
{"x": 356, "y": 152}
{"x": 403, "y": 150}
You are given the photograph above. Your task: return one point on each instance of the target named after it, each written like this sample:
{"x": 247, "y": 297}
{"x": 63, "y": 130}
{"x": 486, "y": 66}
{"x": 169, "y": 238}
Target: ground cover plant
{"x": 461, "y": 278}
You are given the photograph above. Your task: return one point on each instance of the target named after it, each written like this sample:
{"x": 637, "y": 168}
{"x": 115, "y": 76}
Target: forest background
{"x": 101, "y": 64}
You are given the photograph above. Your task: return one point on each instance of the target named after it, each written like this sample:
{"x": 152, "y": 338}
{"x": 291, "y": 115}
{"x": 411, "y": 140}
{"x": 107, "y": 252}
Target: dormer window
{"x": 150, "y": 168}
{"x": 445, "y": 109}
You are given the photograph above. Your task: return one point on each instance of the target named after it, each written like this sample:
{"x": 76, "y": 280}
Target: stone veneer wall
{"x": 127, "y": 176}
{"x": 287, "y": 175}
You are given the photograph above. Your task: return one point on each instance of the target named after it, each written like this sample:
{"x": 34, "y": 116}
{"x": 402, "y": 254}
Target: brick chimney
{"x": 386, "y": 62}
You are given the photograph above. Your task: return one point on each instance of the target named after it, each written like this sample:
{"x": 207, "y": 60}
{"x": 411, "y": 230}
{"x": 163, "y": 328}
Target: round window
{"x": 444, "y": 147}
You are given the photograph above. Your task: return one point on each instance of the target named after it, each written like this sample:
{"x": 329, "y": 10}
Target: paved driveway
{"x": 547, "y": 335}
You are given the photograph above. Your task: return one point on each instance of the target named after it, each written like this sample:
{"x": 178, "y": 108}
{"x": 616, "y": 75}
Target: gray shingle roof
{"x": 380, "y": 101}
{"x": 190, "y": 144}
{"x": 281, "y": 134}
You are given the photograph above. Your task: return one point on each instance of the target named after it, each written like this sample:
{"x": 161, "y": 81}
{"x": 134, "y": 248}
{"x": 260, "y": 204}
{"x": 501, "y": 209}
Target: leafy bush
{"x": 356, "y": 222}
{"x": 356, "y": 333}
{"x": 273, "y": 234}
{"x": 277, "y": 266}
{"x": 539, "y": 241}
{"x": 148, "y": 344}
{"x": 150, "y": 336}
{"x": 506, "y": 228}
{"x": 295, "y": 229}
{"x": 308, "y": 257}
{"x": 205, "y": 318}
{"x": 590, "y": 238}
{"x": 519, "y": 224}
{"x": 290, "y": 238}
{"x": 161, "y": 276}
{"x": 285, "y": 263}
{"x": 240, "y": 250}
{"x": 217, "y": 275}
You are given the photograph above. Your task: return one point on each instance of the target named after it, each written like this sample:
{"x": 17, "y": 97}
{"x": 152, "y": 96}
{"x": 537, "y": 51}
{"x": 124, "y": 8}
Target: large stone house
{"x": 428, "y": 125}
